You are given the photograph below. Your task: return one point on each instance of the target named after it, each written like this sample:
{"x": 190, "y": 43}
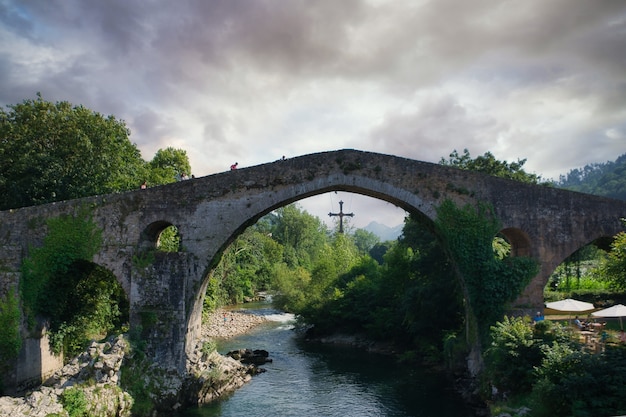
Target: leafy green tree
{"x": 409, "y": 299}
{"x": 615, "y": 266}
{"x": 301, "y": 235}
{"x": 246, "y": 267}
{"x": 417, "y": 300}
{"x": 168, "y": 165}
{"x": 57, "y": 151}
{"x": 278, "y": 252}
{"x": 490, "y": 165}
{"x": 290, "y": 285}
{"x": 365, "y": 240}
{"x": 378, "y": 251}
{"x": 322, "y": 290}
{"x": 54, "y": 152}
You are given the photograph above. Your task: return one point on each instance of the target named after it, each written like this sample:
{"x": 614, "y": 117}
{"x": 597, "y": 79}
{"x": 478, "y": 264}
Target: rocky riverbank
{"x": 95, "y": 375}
{"x": 229, "y": 323}
{"x": 91, "y": 378}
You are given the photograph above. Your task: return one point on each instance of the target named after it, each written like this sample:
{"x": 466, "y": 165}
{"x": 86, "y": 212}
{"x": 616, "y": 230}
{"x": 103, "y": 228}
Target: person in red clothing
{"x": 234, "y": 166}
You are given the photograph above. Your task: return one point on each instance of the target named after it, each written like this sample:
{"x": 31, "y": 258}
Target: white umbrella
{"x": 570, "y": 305}
{"x": 618, "y": 310}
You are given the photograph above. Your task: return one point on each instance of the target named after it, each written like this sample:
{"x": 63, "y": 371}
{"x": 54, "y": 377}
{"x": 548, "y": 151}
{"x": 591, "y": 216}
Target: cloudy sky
{"x": 253, "y": 80}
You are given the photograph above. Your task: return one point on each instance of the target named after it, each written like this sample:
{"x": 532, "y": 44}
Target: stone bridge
{"x": 545, "y": 223}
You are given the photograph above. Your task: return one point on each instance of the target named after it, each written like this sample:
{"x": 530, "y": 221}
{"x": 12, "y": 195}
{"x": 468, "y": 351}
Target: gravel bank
{"x": 226, "y": 323}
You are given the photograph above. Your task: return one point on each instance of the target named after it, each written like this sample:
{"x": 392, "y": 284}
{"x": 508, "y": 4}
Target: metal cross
{"x": 341, "y": 214}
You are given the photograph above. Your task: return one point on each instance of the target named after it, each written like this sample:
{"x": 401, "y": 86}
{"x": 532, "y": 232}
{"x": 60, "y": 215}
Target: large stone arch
{"x": 412, "y": 204}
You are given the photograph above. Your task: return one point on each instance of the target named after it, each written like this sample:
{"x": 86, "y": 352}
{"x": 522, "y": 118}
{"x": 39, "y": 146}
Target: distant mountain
{"x": 384, "y": 232}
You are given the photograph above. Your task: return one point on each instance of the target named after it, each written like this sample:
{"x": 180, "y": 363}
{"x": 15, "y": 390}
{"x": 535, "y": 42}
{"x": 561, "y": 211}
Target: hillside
{"x": 606, "y": 179}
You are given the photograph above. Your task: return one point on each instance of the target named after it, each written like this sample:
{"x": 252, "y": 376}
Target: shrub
{"x": 74, "y": 402}
{"x": 574, "y": 383}
{"x": 512, "y": 355}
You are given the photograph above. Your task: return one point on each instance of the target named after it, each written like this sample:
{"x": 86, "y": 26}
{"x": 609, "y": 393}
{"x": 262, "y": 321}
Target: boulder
{"x": 252, "y": 357}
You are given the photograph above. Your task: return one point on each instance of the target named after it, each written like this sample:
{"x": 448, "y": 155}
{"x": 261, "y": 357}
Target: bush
{"x": 574, "y": 383}
{"x": 74, "y": 402}
{"x": 543, "y": 365}
{"x": 512, "y": 355}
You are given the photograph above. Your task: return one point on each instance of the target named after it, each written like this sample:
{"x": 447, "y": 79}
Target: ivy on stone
{"x": 60, "y": 284}
{"x": 491, "y": 283}
{"x": 10, "y": 340}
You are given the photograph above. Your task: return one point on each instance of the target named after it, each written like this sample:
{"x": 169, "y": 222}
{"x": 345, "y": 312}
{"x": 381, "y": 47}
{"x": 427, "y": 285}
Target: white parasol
{"x": 569, "y": 305}
{"x": 618, "y": 310}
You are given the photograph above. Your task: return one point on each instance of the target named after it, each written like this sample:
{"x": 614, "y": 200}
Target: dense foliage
{"x": 580, "y": 271}
{"x": 605, "y": 179}
{"x": 10, "y": 338}
{"x": 246, "y": 268}
{"x": 57, "y": 151}
{"x": 488, "y": 164}
{"x": 81, "y": 300}
{"x": 546, "y": 369}
{"x": 167, "y": 165}
{"x": 615, "y": 266}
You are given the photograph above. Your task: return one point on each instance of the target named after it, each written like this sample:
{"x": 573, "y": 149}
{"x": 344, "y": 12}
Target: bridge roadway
{"x": 545, "y": 223}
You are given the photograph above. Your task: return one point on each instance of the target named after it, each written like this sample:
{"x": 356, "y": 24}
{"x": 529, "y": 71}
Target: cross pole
{"x": 341, "y": 215}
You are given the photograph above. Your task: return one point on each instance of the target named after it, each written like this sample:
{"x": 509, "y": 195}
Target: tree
{"x": 302, "y": 235}
{"x": 167, "y": 165}
{"x": 57, "y": 151}
{"x": 54, "y": 152}
{"x": 615, "y": 266}
{"x": 365, "y": 240}
{"x": 378, "y": 251}
{"x": 490, "y": 165}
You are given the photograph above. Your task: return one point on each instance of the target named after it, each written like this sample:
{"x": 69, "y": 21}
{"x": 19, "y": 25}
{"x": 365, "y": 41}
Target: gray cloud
{"x": 252, "y": 80}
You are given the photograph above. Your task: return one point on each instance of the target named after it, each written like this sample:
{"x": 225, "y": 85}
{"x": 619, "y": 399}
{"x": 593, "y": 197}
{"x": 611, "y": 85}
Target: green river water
{"x": 320, "y": 380}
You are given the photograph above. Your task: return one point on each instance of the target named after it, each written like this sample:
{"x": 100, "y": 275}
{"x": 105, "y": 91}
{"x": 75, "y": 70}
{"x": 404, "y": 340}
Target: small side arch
{"x": 519, "y": 241}
{"x": 150, "y": 237}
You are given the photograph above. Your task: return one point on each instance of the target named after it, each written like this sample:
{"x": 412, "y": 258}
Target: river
{"x": 321, "y": 380}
